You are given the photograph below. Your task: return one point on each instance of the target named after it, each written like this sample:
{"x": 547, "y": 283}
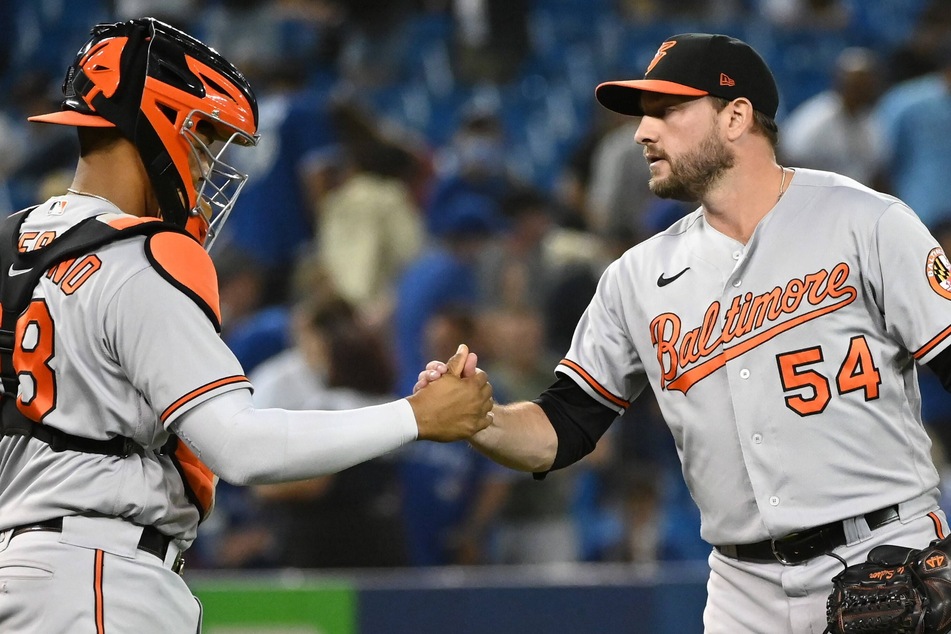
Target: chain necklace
{"x": 782, "y": 184}
{"x": 77, "y": 192}
{"x": 81, "y": 193}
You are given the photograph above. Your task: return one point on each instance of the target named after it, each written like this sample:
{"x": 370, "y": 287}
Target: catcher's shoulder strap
{"x": 20, "y": 271}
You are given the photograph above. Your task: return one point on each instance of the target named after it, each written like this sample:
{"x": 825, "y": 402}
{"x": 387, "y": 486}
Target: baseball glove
{"x": 897, "y": 591}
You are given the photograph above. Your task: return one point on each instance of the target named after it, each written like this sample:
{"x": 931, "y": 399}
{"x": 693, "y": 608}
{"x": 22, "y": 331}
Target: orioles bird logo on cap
{"x": 661, "y": 52}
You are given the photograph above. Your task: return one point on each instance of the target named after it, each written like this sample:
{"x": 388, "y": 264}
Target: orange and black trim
{"x": 928, "y": 347}
{"x": 597, "y": 387}
{"x": 938, "y": 528}
{"x": 99, "y": 607}
{"x": 123, "y": 221}
{"x": 200, "y": 391}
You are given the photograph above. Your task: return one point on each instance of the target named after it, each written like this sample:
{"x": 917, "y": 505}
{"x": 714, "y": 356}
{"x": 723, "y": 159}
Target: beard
{"x": 692, "y": 175}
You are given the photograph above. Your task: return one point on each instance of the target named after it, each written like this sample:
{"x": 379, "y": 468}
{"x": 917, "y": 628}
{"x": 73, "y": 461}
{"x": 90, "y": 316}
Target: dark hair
{"x": 762, "y": 123}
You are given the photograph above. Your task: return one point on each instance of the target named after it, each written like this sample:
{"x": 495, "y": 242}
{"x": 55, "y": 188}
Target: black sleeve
{"x": 941, "y": 366}
{"x": 579, "y": 420}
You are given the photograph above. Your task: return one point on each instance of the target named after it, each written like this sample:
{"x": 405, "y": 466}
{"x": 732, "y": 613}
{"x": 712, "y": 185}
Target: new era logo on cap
{"x": 695, "y": 65}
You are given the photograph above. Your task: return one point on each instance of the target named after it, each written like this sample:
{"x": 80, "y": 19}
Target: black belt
{"x": 796, "y": 548}
{"x": 152, "y": 541}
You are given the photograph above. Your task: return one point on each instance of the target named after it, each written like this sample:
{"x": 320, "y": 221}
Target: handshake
{"x": 452, "y": 400}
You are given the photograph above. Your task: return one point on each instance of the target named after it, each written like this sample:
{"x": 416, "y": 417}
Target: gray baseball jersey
{"x": 784, "y": 367}
{"x": 98, "y": 359}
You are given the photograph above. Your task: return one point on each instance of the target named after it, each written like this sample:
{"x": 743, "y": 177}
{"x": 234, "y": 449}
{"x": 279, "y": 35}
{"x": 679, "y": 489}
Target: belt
{"x": 152, "y": 541}
{"x": 797, "y": 548}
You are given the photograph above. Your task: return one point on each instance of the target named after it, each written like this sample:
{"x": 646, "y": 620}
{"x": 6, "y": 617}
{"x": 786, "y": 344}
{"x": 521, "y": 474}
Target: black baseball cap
{"x": 698, "y": 64}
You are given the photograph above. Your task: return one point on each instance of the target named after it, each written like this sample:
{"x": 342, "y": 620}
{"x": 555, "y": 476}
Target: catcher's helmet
{"x": 167, "y": 93}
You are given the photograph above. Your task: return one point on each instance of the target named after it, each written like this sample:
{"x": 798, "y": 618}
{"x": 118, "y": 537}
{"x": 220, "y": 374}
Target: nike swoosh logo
{"x": 664, "y": 281}
{"x": 14, "y": 272}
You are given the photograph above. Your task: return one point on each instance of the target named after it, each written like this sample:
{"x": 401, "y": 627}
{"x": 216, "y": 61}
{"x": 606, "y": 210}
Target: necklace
{"x": 782, "y": 184}
{"x": 81, "y": 193}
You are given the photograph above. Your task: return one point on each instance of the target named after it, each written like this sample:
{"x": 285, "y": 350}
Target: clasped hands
{"x": 452, "y": 400}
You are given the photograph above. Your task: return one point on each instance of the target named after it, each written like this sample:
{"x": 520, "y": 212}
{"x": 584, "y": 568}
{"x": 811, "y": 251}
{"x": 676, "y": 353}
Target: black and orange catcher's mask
{"x": 182, "y": 105}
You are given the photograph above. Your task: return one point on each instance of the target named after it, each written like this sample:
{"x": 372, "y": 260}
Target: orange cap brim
{"x": 71, "y": 117}
{"x": 625, "y": 96}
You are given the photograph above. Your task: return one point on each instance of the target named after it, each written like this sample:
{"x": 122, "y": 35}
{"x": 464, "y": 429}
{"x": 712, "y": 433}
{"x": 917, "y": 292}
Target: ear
{"x": 739, "y": 117}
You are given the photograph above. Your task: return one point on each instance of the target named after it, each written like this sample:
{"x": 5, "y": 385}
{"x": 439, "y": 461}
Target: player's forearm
{"x": 519, "y": 437}
{"x": 244, "y": 445}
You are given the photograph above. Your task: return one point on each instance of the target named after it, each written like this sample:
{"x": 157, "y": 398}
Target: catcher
{"x": 120, "y": 405}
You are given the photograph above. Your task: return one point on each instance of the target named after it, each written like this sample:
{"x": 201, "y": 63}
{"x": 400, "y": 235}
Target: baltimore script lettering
{"x": 707, "y": 351}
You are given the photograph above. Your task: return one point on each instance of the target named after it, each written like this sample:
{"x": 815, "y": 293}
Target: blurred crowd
{"x": 435, "y": 171}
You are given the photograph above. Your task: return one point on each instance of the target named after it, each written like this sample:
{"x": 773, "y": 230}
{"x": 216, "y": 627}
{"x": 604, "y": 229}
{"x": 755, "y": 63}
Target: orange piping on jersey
{"x": 928, "y": 347}
{"x": 939, "y": 531}
{"x": 594, "y": 384}
{"x": 179, "y": 257}
{"x": 97, "y": 591}
{"x": 204, "y": 389}
{"x": 686, "y": 380}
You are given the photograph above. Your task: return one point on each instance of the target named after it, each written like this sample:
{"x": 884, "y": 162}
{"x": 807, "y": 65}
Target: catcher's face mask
{"x": 163, "y": 89}
{"x": 217, "y": 183}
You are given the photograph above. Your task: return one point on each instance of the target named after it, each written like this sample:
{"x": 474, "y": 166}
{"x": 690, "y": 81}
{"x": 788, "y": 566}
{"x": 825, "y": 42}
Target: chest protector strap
{"x": 20, "y": 272}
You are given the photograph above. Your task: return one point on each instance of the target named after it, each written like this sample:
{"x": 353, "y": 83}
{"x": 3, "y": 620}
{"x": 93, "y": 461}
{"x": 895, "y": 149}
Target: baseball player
{"x": 121, "y": 406}
{"x": 779, "y": 326}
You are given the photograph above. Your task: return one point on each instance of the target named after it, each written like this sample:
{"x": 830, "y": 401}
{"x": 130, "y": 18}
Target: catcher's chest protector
{"x": 20, "y": 272}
